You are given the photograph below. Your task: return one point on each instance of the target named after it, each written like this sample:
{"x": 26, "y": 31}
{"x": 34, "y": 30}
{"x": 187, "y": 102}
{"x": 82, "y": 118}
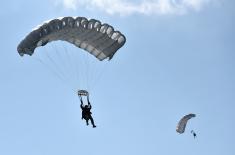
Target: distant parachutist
{"x": 194, "y": 134}
{"x": 86, "y": 109}
{"x": 183, "y": 122}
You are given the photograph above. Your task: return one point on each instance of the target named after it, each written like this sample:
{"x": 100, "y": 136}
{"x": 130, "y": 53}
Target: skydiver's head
{"x": 86, "y": 106}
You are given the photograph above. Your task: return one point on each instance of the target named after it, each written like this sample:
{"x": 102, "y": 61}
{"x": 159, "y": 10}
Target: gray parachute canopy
{"x": 183, "y": 122}
{"x": 98, "y": 39}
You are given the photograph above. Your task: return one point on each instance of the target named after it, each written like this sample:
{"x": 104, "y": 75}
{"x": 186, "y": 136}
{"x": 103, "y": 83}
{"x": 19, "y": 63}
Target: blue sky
{"x": 178, "y": 59}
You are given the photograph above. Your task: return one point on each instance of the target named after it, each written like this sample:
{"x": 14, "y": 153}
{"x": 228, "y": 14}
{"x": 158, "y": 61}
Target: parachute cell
{"x": 183, "y": 122}
{"x": 98, "y": 39}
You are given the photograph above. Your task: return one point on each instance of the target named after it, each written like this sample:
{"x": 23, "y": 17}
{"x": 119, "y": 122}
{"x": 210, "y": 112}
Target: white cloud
{"x": 146, "y": 7}
{"x": 70, "y": 4}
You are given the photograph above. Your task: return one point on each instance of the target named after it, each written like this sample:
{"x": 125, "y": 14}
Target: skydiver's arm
{"x": 81, "y": 105}
{"x": 89, "y": 103}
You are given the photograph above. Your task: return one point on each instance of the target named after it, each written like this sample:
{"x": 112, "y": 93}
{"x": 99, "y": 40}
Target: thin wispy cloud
{"x": 145, "y": 7}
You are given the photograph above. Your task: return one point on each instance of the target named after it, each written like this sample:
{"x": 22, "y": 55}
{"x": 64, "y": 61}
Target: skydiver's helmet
{"x": 86, "y": 106}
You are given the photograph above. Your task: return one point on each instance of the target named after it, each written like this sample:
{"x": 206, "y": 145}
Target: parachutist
{"x": 183, "y": 122}
{"x": 194, "y": 134}
{"x": 86, "y": 112}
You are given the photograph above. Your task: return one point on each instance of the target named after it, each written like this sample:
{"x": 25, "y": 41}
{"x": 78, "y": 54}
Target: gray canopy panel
{"x": 98, "y": 39}
{"x": 183, "y": 122}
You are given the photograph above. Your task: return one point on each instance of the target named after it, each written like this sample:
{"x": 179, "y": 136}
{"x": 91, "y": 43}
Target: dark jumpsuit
{"x": 86, "y": 113}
